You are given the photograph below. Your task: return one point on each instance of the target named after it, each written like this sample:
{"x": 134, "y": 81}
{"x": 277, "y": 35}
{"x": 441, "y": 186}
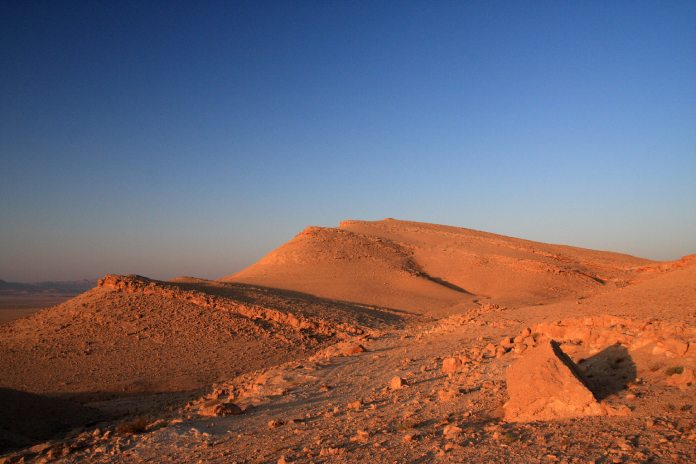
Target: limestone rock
{"x": 545, "y": 384}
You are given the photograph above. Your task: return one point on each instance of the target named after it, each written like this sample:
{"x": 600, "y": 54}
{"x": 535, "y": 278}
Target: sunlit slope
{"x": 435, "y": 269}
{"x": 343, "y": 265}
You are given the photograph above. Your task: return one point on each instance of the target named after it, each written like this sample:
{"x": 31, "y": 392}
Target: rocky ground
{"x": 251, "y": 374}
{"x": 429, "y": 392}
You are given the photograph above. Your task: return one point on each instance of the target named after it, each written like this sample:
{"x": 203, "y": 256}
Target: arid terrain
{"x": 20, "y": 299}
{"x": 385, "y": 341}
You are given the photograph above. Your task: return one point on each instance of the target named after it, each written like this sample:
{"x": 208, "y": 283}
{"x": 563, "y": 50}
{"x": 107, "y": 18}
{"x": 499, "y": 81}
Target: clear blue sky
{"x": 168, "y": 138}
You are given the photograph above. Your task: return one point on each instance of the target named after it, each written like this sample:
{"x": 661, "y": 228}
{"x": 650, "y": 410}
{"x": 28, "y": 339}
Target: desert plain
{"x": 375, "y": 341}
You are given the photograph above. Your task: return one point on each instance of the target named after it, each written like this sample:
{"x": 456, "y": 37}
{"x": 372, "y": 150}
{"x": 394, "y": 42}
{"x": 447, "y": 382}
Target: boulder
{"x": 545, "y": 384}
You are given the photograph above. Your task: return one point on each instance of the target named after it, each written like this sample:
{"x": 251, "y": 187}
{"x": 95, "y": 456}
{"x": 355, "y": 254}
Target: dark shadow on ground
{"x": 27, "y": 418}
{"x": 609, "y": 371}
{"x": 445, "y": 283}
{"x": 253, "y": 294}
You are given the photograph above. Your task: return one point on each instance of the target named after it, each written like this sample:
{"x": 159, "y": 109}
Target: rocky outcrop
{"x": 684, "y": 261}
{"x": 139, "y": 284}
{"x": 673, "y": 340}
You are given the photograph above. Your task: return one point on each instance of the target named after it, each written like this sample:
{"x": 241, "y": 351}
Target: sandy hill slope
{"x": 661, "y": 291}
{"x": 434, "y": 269}
{"x": 133, "y": 334}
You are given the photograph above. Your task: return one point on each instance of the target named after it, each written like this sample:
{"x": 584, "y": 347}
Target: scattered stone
{"x": 618, "y": 411}
{"x": 451, "y": 431}
{"x": 332, "y": 451}
{"x": 226, "y": 409}
{"x": 397, "y": 383}
{"x": 355, "y": 405}
{"x": 361, "y": 436}
{"x": 447, "y": 394}
{"x": 519, "y": 348}
{"x": 40, "y": 448}
{"x": 524, "y": 334}
{"x": 275, "y": 423}
{"x": 623, "y": 444}
{"x": 451, "y": 365}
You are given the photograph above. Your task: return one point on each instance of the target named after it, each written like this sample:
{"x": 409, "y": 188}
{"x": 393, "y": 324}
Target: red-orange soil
{"x": 384, "y": 341}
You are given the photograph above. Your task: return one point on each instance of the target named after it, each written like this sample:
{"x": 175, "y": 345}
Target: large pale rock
{"x": 545, "y": 384}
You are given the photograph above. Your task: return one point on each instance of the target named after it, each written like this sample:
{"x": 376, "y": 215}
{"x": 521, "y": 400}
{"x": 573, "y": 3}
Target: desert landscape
{"x": 21, "y": 299}
{"x": 381, "y": 341}
{"x": 315, "y": 232}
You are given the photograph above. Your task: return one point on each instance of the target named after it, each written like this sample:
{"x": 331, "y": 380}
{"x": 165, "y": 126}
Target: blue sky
{"x": 169, "y": 138}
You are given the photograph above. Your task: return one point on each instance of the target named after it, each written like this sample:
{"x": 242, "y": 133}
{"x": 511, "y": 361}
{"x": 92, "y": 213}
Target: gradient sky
{"x": 168, "y": 138}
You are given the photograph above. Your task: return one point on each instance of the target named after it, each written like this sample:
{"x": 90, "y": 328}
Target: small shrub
{"x": 674, "y": 370}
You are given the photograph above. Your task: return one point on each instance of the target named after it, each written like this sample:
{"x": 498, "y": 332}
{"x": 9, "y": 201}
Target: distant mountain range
{"x": 64, "y": 287}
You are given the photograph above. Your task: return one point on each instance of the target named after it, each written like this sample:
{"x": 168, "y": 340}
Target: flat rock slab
{"x": 544, "y": 385}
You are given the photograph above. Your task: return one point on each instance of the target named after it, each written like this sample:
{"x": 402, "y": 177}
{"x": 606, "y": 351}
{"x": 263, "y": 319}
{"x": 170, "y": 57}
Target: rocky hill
{"x": 434, "y": 269}
{"x": 384, "y": 341}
